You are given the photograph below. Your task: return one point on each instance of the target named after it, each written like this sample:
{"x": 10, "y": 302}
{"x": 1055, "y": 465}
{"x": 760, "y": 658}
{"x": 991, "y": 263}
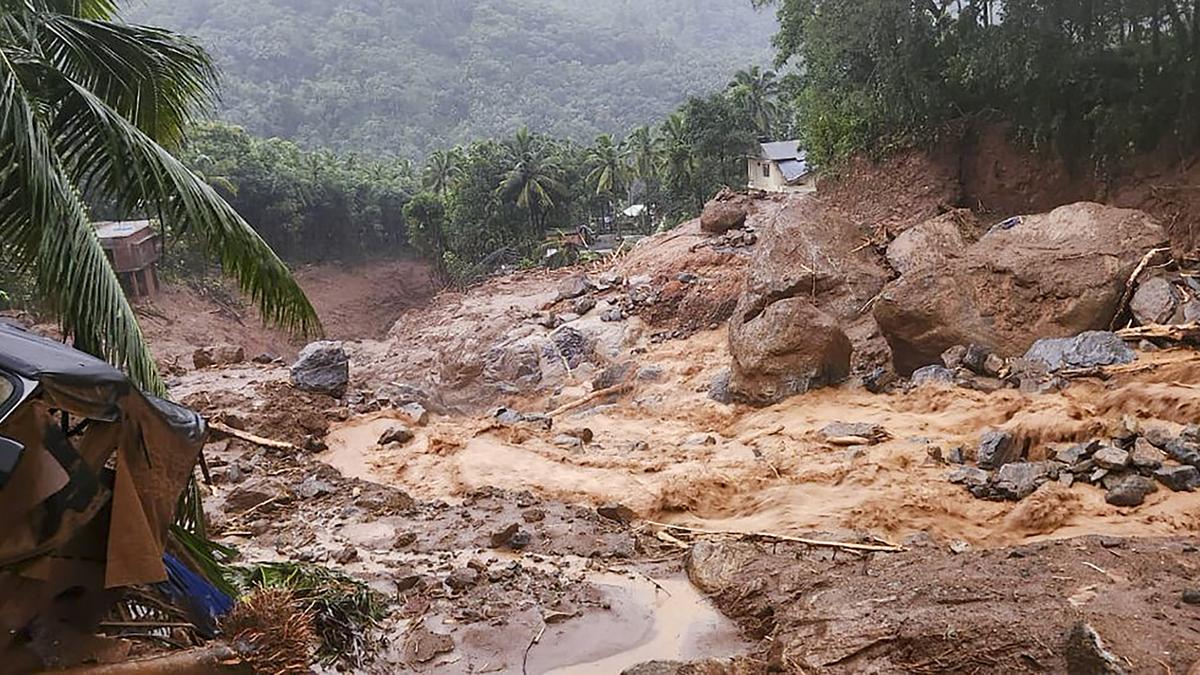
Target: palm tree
{"x": 441, "y": 169}
{"x": 677, "y": 159}
{"x": 607, "y": 169}
{"x": 88, "y": 109}
{"x": 532, "y": 181}
{"x": 754, "y": 91}
{"x": 641, "y": 153}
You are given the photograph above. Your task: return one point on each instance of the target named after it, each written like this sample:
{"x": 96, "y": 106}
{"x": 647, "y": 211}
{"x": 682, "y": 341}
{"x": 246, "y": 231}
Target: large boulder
{"x": 801, "y": 321}
{"x": 784, "y": 349}
{"x": 323, "y": 368}
{"x": 727, "y": 212}
{"x": 932, "y": 241}
{"x": 1050, "y": 275}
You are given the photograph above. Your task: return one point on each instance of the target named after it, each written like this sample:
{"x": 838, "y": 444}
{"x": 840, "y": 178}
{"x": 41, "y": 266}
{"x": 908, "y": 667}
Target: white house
{"x": 781, "y": 167}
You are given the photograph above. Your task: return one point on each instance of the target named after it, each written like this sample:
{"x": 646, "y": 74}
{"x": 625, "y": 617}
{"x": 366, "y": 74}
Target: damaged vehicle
{"x": 91, "y": 472}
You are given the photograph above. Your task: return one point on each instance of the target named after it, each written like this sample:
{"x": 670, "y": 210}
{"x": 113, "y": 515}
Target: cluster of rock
{"x": 823, "y": 301}
{"x": 1129, "y": 467}
{"x": 979, "y": 368}
{"x": 579, "y": 292}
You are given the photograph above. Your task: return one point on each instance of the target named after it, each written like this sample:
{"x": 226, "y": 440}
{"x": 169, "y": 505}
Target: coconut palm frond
{"x": 154, "y": 78}
{"x": 115, "y": 159}
{"x": 71, "y": 268}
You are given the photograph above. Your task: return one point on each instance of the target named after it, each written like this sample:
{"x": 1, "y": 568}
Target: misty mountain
{"x": 408, "y": 76}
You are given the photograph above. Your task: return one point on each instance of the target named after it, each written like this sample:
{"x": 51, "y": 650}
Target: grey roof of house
{"x": 782, "y": 150}
{"x": 793, "y": 169}
{"x": 121, "y": 229}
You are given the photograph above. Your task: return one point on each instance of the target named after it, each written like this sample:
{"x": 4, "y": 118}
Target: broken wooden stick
{"x": 1132, "y": 284}
{"x": 849, "y": 546}
{"x": 227, "y": 430}
{"x": 595, "y": 395}
{"x": 1187, "y": 332}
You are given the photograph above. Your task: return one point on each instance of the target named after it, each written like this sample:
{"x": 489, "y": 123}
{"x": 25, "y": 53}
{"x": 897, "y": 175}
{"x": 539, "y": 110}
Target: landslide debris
{"x": 1041, "y": 276}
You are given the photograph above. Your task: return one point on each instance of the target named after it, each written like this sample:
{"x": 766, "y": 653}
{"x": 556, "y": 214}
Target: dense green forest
{"x": 496, "y": 201}
{"x": 1094, "y": 80}
{"x": 405, "y": 77}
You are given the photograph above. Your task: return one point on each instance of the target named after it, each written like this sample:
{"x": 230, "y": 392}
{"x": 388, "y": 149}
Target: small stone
{"x": 346, "y": 556}
{"x": 568, "y": 441}
{"x": 975, "y": 357}
{"x": 957, "y": 455}
{"x": 574, "y": 286}
{"x": 1190, "y": 434}
{"x": 1191, "y": 596}
{"x": 404, "y": 539}
{"x": 396, "y": 434}
{"x": 582, "y": 306}
{"x": 953, "y": 357}
{"x": 993, "y": 365}
{"x": 1076, "y": 453}
{"x": 1111, "y": 458}
{"x": 1086, "y": 350}
{"x": 871, "y": 433}
{"x": 1130, "y": 491}
{"x": 1126, "y": 431}
{"x": 686, "y": 278}
{"x": 1066, "y": 479}
{"x": 313, "y": 487}
{"x": 613, "y": 315}
{"x": 463, "y": 578}
{"x": 617, "y": 513}
{"x": 1097, "y": 476}
{"x": 415, "y": 413}
{"x": 513, "y": 537}
{"x": 959, "y": 546}
{"x": 878, "y": 380}
{"x": 996, "y": 449}
{"x": 613, "y": 375}
{"x": 639, "y": 447}
{"x": 1146, "y": 456}
{"x": 533, "y": 515}
{"x": 699, "y": 439}
{"x": 718, "y": 390}
{"x": 651, "y": 373}
{"x": 1086, "y": 653}
{"x": 969, "y": 476}
{"x": 932, "y": 375}
{"x": 234, "y": 473}
{"x": 1018, "y": 480}
{"x": 1184, "y": 452}
{"x": 1183, "y": 478}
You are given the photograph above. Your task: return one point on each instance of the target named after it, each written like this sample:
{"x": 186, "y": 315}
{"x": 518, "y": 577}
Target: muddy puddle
{"x": 645, "y": 623}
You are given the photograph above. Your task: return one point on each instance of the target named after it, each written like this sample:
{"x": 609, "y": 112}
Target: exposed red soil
{"x": 354, "y": 303}
{"x": 985, "y": 169}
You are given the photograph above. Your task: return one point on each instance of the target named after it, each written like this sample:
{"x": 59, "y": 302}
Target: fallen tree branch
{"x": 250, "y": 438}
{"x": 885, "y": 548}
{"x": 1132, "y": 284}
{"x": 219, "y": 658}
{"x": 595, "y": 395}
{"x": 1187, "y": 332}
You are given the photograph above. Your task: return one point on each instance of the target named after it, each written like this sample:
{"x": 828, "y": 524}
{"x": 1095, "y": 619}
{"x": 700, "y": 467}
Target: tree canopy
{"x": 1093, "y": 79}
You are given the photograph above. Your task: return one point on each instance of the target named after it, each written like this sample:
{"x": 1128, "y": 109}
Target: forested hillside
{"x": 405, "y": 77}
